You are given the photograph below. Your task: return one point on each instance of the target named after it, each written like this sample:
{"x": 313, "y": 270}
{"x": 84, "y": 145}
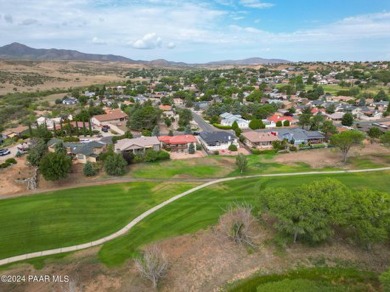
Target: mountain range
{"x": 20, "y": 51}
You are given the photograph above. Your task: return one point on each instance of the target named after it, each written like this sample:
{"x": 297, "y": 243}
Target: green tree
{"x": 185, "y": 117}
{"x": 89, "y": 169}
{"x": 328, "y": 129}
{"x": 37, "y": 150}
{"x": 374, "y": 133}
{"x": 191, "y": 149}
{"x": 60, "y": 148}
{"x": 345, "y": 140}
{"x": 347, "y": 120}
{"x": 330, "y": 109}
{"x": 286, "y": 123}
{"x": 55, "y": 166}
{"x": 370, "y": 217}
{"x": 309, "y": 211}
{"x": 385, "y": 139}
{"x": 156, "y": 131}
{"x": 115, "y": 164}
{"x": 256, "y": 124}
{"x": 241, "y": 162}
{"x": 187, "y": 130}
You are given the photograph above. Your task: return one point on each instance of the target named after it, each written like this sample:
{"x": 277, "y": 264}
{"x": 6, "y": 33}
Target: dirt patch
{"x": 9, "y": 175}
{"x": 331, "y": 157}
{"x": 179, "y": 155}
{"x": 204, "y": 261}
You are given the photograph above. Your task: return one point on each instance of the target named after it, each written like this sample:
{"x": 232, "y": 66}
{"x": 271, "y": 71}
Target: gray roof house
{"x": 218, "y": 140}
{"x": 299, "y": 136}
{"x": 138, "y": 145}
{"x": 81, "y": 152}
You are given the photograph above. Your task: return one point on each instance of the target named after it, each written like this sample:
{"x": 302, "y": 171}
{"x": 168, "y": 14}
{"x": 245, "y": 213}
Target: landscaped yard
{"x": 74, "y": 216}
{"x": 202, "y": 209}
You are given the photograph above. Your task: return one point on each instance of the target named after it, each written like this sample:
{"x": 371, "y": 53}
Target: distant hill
{"x": 20, "y": 51}
{"x": 249, "y": 61}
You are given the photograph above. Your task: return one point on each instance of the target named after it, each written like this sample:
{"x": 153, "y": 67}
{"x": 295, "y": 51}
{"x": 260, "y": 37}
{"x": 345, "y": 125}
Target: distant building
{"x": 115, "y": 116}
{"x": 228, "y": 119}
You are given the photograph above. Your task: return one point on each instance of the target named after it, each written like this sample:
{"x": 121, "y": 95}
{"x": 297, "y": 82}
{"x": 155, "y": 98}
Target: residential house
{"x": 138, "y": 145}
{"x": 218, "y": 140}
{"x": 337, "y": 116}
{"x": 80, "y": 152}
{"x": 15, "y": 132}
{"x": 113, "y": 117}
{"x": 228, "y": 119}
{"x": 260, "y": 140}
{"x": 50, "y": 122}
{"x": 272, "y": 121}
{"x": 299, "y": 136}
{"x": 180, "y": 143}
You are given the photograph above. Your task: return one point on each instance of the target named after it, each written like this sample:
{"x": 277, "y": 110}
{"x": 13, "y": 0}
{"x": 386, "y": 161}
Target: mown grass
{"x": 202, "y": 209}
{"x": 214, "y": 167}
{"x": 315, "y": 279}
{"x": 75, "y": 216}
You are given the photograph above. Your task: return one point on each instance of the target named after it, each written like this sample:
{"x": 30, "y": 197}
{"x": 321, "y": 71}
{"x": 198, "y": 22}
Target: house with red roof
{"x": 179, "y": 143}
{"x": 276, "y": 118}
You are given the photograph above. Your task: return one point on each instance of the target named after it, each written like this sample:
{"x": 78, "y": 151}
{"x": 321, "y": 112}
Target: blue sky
{"x": 201, "y": 31}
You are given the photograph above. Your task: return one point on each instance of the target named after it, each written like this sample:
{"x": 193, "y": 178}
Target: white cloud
{"x": 148, "y": 41}
{"x": 256, "y": 4}
{"x": 98, "y": 41}
{"x": 171, "y": 45}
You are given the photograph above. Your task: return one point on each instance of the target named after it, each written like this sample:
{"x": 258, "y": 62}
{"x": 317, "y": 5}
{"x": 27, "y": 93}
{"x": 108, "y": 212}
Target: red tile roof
{"x": 176, "y": 140}
{"x": 165, "y": 107}
{"x": 276, "y": 118}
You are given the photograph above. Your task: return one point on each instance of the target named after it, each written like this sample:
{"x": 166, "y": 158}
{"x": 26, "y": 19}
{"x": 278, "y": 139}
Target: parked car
{"x": 4, "y": 152}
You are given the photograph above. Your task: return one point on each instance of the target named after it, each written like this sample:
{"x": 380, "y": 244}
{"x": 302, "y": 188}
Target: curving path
{"x": 161, "y": 205}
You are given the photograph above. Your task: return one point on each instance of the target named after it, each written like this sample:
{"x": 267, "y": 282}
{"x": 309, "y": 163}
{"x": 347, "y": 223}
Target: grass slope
{"x": 74, "y": 216}
{"x": 315, "y": 279}
{"x": 201, "y": 209}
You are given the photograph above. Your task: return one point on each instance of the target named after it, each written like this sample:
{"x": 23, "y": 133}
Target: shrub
{"x": 286, "y": 123}
{"x": 115, "y": 165}
{"x": 163, "y": 155}
{"x": 128, "y": 156}
{"x": 293, "y": 148}
{"x": 71, "y": 139}
{"x": 89, "y": 169}
{"x": 11, "y": 161}
{"x": 191, "y": 149}
{"x": 150, "y": 155}
{"x": 279, "y": 124}
{"x": 222, "y": 127}
{"x": 198, "y": 147}
{"x": 255, "y": 151}
{"x": 216, "y": 152}
{"x": 232, "y": 147}
{"x": 4, "y": 165}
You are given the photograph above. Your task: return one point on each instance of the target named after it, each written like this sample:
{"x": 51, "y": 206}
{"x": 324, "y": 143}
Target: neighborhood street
{"x": 202, "y": 123}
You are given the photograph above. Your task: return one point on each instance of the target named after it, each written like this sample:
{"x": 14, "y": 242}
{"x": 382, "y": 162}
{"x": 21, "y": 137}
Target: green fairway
{"x": 213, "y": 167}
{"x": 75, "y": 216}
{"x": 207, "y": 167}
{"x": 201, "y": 209}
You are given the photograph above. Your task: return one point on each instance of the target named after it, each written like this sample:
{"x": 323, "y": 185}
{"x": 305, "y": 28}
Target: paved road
{"x": 135, "y": 221}
{"x": 202, "y": 123}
